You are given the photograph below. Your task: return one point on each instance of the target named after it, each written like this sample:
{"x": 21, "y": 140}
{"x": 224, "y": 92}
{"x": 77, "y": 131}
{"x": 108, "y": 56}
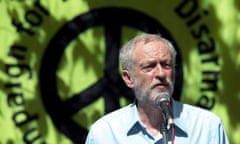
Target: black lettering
{"x": 29, "y": 137}
{"x": 210, "y": 78}
{"x": 195, "y": 19}
{"x": 20, "y": 118}
{"x": 13, "y": 85}
{"x": 187, "y": 8}
{"x": 15, "y": 51}
{"x": 213, "y": 59}
{"x": 16, "y": 70}
{"x": 40, "y": 7}
{"x": 206, "y": 47}
{"x": 33, "y": 18}
{"x": 20, "y": 28}
{"x": 205, "y": 102}
{"x": 16, "y": 99}
{"x": 203, "y": 29}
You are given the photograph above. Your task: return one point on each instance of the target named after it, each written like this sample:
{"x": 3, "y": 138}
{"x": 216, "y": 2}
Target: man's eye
{"x": 167, "y": 65}
{"x": 147, "y": 68}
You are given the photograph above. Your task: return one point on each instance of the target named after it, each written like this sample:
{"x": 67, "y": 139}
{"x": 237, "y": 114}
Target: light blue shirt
{"x": 192, "y": 126}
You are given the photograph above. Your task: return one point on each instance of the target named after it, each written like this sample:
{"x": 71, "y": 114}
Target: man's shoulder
{"x": 199, "y": 113}
{"x": 116, "y": 117}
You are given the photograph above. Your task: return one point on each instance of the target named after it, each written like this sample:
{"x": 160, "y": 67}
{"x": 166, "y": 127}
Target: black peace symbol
{"x": 110, "y": 86}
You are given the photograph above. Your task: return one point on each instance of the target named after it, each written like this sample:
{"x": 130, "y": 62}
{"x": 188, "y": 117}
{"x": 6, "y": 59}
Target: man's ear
{"x": 127, "y": 78}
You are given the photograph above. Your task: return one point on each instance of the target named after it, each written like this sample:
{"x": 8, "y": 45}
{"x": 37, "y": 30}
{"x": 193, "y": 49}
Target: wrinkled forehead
{"x": 151, "y": 47}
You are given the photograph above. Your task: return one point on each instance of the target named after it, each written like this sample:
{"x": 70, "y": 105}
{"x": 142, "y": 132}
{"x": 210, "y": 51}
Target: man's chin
{"x": 162, "y": 94}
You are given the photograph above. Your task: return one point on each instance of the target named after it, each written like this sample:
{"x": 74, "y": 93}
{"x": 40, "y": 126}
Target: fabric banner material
{"x": 59, "y": 66}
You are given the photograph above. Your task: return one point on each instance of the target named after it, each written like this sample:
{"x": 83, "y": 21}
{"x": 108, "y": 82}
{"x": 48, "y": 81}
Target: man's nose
{"x": 160, "y": 71}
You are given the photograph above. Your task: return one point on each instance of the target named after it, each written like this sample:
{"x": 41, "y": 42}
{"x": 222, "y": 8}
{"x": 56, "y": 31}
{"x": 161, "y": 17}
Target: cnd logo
{"x": 110, "y": 86}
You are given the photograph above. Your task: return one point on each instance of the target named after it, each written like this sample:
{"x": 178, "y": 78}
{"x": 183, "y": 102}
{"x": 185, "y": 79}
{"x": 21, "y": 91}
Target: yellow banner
{"x": 59, "y": 62}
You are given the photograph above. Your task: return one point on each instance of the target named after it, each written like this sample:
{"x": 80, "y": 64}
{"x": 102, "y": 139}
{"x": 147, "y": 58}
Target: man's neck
{"x": 151, "y": 117}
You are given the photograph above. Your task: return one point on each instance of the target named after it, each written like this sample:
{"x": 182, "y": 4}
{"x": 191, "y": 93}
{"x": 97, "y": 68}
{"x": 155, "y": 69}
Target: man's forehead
{"x": 155, "y": 45}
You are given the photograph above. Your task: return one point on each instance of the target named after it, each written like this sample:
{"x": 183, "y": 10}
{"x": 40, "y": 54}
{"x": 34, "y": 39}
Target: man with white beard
{"x": 148, "y": 67}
